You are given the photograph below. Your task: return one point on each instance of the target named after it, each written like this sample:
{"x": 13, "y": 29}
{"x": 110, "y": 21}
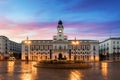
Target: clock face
{"x": 60, "y": 30}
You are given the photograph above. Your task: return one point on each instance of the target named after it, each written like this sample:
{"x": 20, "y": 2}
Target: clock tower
{"x": 60, "y": 35}
{"x": 60, "y": 27}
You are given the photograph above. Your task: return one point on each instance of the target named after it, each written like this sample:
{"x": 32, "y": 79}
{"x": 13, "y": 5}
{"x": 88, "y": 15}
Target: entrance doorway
{"x": 60, "y": 56}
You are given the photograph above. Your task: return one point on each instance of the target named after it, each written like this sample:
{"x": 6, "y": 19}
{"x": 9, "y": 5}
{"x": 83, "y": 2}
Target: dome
{"x": 60, "y": 24}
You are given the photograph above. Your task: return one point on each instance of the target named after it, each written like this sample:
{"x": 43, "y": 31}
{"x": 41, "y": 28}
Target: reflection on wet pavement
{"x": 10, "y": 70}
{"x": 75, "y": 75}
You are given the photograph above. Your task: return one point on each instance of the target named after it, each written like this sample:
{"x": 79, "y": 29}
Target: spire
{"x": 75, "y": 38}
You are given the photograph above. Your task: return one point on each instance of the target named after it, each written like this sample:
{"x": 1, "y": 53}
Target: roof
{"x": 114, "y": 38}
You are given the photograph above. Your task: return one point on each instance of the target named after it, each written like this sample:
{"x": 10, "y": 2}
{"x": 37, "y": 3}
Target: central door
{"x": 60, "y": 56}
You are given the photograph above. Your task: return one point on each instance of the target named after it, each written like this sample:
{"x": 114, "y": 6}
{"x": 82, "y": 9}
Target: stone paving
{"x": 20, "y": 70}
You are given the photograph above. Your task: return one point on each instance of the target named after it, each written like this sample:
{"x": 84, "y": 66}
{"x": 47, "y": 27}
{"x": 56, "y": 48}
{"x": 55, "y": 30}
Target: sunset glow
{"x": 37, "y": 19}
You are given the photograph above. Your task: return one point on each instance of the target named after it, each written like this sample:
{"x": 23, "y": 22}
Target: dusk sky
{"x": 37, "y": 19}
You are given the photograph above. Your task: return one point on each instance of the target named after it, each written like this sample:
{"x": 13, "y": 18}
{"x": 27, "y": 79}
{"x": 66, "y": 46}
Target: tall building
{"x": 109, "y": 49}
{"x": 8, "y": 48}
{"x": 60, "y": 48}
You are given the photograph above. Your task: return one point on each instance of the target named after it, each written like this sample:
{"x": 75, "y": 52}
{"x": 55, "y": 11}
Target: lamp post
{"x": 27, "y": 42}
{"x": 105, "y": 56}
{"x": 11, "y": 57}
{"x": 11, "y": 54}
{"x": 75, "y": 42}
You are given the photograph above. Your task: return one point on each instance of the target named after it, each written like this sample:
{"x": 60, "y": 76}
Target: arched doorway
{"x": 60, "y": 56}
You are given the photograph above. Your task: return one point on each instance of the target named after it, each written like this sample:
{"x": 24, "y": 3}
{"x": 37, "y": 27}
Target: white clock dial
{"x": 60, "y": 30}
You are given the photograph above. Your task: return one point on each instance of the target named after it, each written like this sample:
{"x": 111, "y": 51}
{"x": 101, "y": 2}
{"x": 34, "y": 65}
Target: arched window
{"x": 55, "y": 57}
{"x": 41, "y": 57}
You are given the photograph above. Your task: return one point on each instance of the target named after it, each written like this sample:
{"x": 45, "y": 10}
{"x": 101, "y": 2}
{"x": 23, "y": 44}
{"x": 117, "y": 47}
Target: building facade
{"x": 8, "y": 48}
{"x": 60, "y": 48}
{"x": 109, "y": 49}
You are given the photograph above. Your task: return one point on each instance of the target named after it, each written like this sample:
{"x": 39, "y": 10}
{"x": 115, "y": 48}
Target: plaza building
{"x": 60, "y": 48}
{"x": 109, "y": 49}
{"x": 8, "y": 48}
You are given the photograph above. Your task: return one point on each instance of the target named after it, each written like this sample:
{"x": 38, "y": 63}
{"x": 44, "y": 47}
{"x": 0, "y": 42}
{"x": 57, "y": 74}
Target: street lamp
{"x": 75, "y": 42}
{"x": 27, "y": 42}
{"x": 11, "y": 54}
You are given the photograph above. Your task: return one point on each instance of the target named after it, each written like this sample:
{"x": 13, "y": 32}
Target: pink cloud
{"x": 19, "y": 31}
{"x": 42, "y": 31}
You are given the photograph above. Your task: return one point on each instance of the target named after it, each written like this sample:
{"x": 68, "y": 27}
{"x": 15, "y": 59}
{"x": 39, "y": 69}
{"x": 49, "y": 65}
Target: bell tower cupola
{"x": 60, "y": 35}
{"x": 60, "y": 27}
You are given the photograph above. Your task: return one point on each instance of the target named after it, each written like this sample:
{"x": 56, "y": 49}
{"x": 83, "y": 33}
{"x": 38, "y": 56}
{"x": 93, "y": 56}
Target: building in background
{"x": 109, "y": 49}
{"x": 8, "y": 48}
{"x": 60, "y": 48}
